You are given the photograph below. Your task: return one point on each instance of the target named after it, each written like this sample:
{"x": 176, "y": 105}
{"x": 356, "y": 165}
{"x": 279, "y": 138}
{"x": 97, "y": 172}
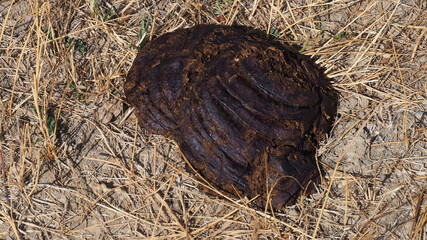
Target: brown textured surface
{"x": 236, "y": 102}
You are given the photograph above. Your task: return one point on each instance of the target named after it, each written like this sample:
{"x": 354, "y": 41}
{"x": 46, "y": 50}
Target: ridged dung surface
{"x": 246, "y": 111}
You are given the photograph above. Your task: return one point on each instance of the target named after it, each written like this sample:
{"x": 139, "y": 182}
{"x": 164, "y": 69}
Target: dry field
{"x": 75, "y": 165}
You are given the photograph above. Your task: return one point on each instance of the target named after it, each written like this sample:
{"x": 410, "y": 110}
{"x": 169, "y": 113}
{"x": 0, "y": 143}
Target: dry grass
{"x": 74, "y": 164}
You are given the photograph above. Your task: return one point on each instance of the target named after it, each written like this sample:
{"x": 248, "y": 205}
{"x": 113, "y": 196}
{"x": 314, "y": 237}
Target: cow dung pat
{"x": 247, "y": 111}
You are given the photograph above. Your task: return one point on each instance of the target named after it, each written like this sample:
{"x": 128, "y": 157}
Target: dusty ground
{"x": 74, "y": 164}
